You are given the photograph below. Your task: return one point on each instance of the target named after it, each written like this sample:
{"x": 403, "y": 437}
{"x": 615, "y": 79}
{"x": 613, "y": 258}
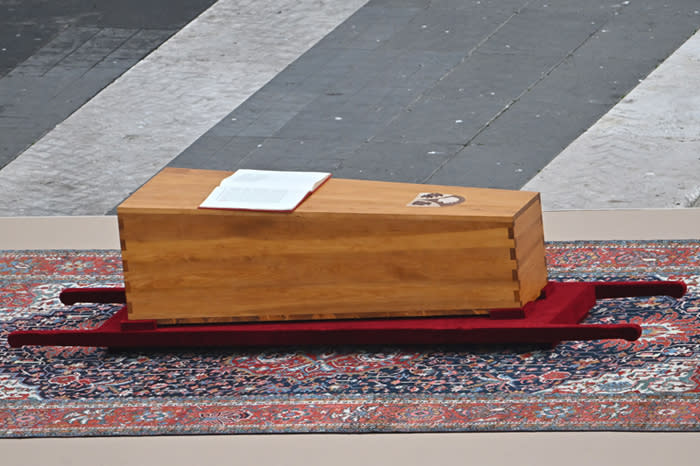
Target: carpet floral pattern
{"x": 652, "y": 384}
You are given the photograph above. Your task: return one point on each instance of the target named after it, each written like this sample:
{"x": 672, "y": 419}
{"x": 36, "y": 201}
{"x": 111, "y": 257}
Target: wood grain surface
{"x": 352, "y": 249}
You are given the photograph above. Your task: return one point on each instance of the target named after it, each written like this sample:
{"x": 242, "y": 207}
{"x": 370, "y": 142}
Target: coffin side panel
{"x": 248, "y": 266}
{"x": 529, "y": 242}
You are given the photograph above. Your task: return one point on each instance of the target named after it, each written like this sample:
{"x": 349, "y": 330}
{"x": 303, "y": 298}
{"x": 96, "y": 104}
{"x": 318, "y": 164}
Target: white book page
{"x": 301, "y": 180}
{"x": 264, "y": 190}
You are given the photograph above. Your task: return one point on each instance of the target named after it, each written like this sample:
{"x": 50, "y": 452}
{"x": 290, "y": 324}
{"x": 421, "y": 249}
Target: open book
{"x": 264, "y": 190}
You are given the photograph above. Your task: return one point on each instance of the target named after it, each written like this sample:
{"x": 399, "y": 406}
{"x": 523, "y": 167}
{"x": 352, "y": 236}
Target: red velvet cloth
{"x": 553, "y": 318}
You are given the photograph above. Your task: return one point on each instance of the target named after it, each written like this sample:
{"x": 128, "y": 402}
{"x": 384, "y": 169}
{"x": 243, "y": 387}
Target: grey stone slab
{"x": 369, "y": 28}
{"x": 475, "y": 91}
{"x": 395, "y": 162}
{"x": 263, "y": 114}
{"x": 467, "y": 99}
{"x": 373, "y": 11}
{"x": 641, "y": 154}
{"x": 320, "y": 149}
{"x": 438, "y": 126}
{"x": 23, "y": 136}
{"x": 491, "y": 81}
{"x": 482, "y": 166}
{"x": 142, "y": 40}
{"x": 278, "y": 98}
{"x": 268, "y": 123}
{"x": 235, "y": 152}
{"x": 480, "y": 6}
{"x": 311, "y": 62}
{"x": 400, "y": 3}
{"x": 592, "y": 9}
{"x": 55, "y": 57}
{"x": 234, "y": 123}
{"x": 416, "y": 69}
{"x": 357, "y": 91}
{"x": 16, "y": 87}
{"x": 343, "y": 70}
{"x": 66, "y": 42}
{"x": 618, "y": 56}
{"x": 57, "y": 79}
{"x": 217, "y": 152}
{"x": 83, "y": 81}
{"x": 327, "y": 105}
{"x": 447, "y": 29}
{"x": 33, "y": 108}
{"x": 388, "y": 102}
{"x": 62, "y": 76}
{"x": 199, "y": 153}
{"x": 294, "y": 164}
{"x": 12, "y": 121}
{"x": 271, "y": 108}
{"x": 642, "y": 35}
{"x": 78, "y": 91}
{"x": 372, "y": 86}
{"x": 95, "y": 49}
{"x": 548, "y": 32}
{"x": 244, "y": 115}
{"x": 152, "y": 14}
{"x": 525, "y": 138}
{"x": 450, "y": 116}
{"x": 335, "y": 129}
{"x": 362, "y": 107}
{"x": 28, "y": 26}
{"x": 18, "y": 41}
{"x": 544, "y": 121}
{"x": 112, "y": 62}
{"x": 595, "y": 80}
{"x": 496, "y": 76}
{"x": 82, "y": 72}
{"x": 299, "y": 154}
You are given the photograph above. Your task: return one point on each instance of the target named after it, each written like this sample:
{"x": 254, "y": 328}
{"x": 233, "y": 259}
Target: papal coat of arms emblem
{"x": 435, "y": 200}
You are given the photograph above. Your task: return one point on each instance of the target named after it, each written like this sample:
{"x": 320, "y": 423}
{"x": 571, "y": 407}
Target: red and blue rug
{"x": 652, "y": 384}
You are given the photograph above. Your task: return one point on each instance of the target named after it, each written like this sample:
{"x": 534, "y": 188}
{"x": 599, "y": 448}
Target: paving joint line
{"x": 71, "y": 52}
{"x": 470, "y": 52}
{"x": 515, "y": 100}
{"x": 138, "y": 124}
{"x": 112, "y": 50}
{"x": 489, "y": 36}
{"x": 618, "y": 156}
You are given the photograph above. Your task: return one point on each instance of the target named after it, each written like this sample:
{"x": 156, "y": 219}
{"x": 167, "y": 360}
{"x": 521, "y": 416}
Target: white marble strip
{"x": 644, "y": 153}
{"x": 135, "y": 126}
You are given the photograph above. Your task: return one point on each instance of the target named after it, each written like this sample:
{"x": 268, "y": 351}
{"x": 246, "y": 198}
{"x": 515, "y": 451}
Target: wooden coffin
{"x": 353, "y": 249}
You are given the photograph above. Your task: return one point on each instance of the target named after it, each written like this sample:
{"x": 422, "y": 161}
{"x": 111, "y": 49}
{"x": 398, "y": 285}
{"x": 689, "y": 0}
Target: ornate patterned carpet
{"x": 652, "y": 384}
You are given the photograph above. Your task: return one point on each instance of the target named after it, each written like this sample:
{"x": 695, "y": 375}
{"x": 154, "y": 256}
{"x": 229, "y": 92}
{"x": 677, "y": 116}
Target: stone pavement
{"x": 649, "y": 144}
{"x": 467, "y": 92}
{"x": 55, "y": 57}
{"x": 130, "y": 130}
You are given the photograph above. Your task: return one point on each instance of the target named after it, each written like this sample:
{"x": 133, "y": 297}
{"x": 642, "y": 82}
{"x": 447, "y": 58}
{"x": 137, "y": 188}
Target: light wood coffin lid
{"x": 176, "y": 190}
{"x": 154, "y": 219}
